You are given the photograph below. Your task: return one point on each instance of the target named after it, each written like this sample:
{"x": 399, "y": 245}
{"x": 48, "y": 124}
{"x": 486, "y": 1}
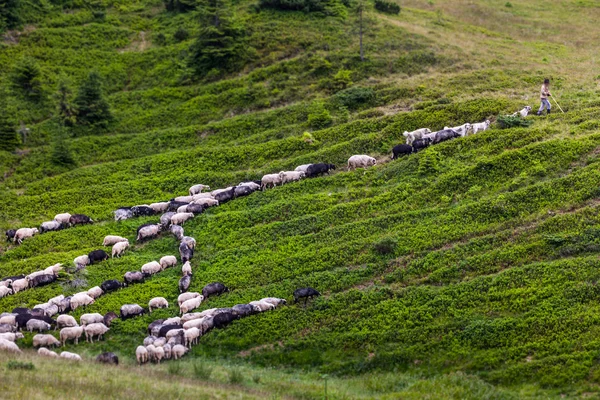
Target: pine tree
{"x": 66, "y": 113}
{"x": 61, "y": 154}
{"x": 8, "y": 134}
{"x": 9, "y": 14}
{"x": 222, "y": 44}
{"x": 90, "y": 105}
{"x": 27, "y": 78}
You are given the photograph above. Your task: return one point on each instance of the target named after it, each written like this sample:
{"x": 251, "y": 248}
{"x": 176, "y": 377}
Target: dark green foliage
{"x": 61, "y": 154}
{"x": 9, "y": 14}
{"x": 91, "y": 107}
{"x": 181, "y": 34}
{"x": 222, "y": 45}
{"x": 201, "y": 371}
{"x": 320, "y": 117}
{"x": 356, "y": 97}
{"x": 26, "y": 78}
{"x": 429, "y": 162}
{"x": 66, "y": 112}
{"x": 180, "y": 5}
{"x": 8, "y": 134}
{"x": 386, "y": 246}
{"x": 20, "y": 365}
{"x": 508, "y": 121}
{"x": 387, "y": 7}
{"x": 327, "y": 7}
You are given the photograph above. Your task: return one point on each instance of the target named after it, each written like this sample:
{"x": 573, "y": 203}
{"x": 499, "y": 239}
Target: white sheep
{"x": 178, "y": 351}
{"x": 215, "y": 192}
{"x": 148, "y": 232}
{"x": 11, "y": 336}
{"x": 196, "y": 189}
{"x": 71, "y": 333}
{"x": 262, "y": 305}
{"x": 49, "y": 226}
{"x": 190, "y": 241}
{"x": 172, "y": 321}
{"x": 37, "y": 325}
{"x": 480, "y": 127}
{"x": 251, "y": 185}
{"x": 70, "y": 356}
{"x": 151, "y": 268}
{"x": 35, "y": 274}
{"x": 87, "y": 319}
{"x": 65, "y": 321}
{"x": 182, "y": 209}
{"x": 80, "y": 300}
{"x": 158, "y": 354}
{"x": 190, "y": 304}
{"x": 291, "y": 176}
{"x": 6, "y": 283}
{"x": 45, "y": 340}
{"x": 25, "y": 233}
{"x": 173, "y": 333}
{"x": 181, "y": 218}
{"x": 95, "y": 292}
{"x": 49, "y": 309}
{"x": 159, "y": 207}
{"x": 168, "y": 261}
{"x": 184, "y": 199}
{"x": 5, "y": 291}
{"x": 9, "y": 320}
{"x": 20, "y": 284}
{"x": 190, "y": 317}
{"x": 119, "y": 248}
{"x": 186, "y": 269}
{"x": 275, "y": 301}
{"x": 186, "y": 296}
{"x": 93, "y": 330}
{"x": 44, "y": 352}
{"x": 112, "y": 239}
{"x": 158, "y": 302}
{"x": 56, "y": 300}
{"x": 462, "y": 130}
{"x": 270, "y": 180}
{"x": 53, "y": 269}
{"x": 414, "y": 135}
{"x": 191, "y": 336}
{"x": 160, "y": 342}
{"x": 202, "y": 196}
{"x": 167, "y": 348}
{"x": 361, "y": 161}
{"x": 141, "y": 355}
{"x": 302, "y": 168}
{"x": 177, "y": 231}
{"x": 208, "y": 202}
{"x": 193, "y": 323}
{"x": 7, "y": 345}
{"x": 63, "y": 218}
{"x": 81, "y": 261}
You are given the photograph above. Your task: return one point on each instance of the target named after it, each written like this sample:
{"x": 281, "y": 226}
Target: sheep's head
{"x": 35, "y": 231}
{"x": 405, "y": 134}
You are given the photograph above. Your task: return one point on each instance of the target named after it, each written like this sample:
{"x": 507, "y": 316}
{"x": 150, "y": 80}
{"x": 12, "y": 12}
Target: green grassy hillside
{"x": 468, "y": 270}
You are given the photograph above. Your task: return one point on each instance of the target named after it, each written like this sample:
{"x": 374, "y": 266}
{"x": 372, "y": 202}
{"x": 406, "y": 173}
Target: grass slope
{"x": 468, "y": 270}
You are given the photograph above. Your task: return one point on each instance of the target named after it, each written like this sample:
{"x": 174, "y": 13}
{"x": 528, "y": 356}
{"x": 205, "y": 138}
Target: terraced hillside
{"x": 467, "y": 270}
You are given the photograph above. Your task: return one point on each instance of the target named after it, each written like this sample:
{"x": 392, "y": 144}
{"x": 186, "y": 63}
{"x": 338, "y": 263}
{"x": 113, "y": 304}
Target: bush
{"x": 320, "y": 119}
{"x": 8, "y": 135}
{"x": 356, "y": 97}
{"x": 201, "y": 371}
{"x": 20, "y": 365}
{"x": 61, "y": 154}
{"x": 181, "y": 34}
{"x": 236, "y": 377}
{"x": 387, "y": 7}
{"x": 429, "y": 162}
{"x": 180, "y": 5}
{"x": 90, "y": 105}
{"x": 174, "y": 368}
{"x": 386, "y": 246}
{"x": 508, "y": 121}
{"x": 327, "y": 7}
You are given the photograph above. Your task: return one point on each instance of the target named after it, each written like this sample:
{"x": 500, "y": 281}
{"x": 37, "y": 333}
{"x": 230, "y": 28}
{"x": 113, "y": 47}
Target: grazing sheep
{"x": 165, "y": 220}
{"x": 56, "y": 300}
{"x": 178, "y": 351}
{"x": 4, "y": 291}
{"x": 182, "y": 209}
{"x": 184, "y": 283}
{"x": 141, "y": 355}
{"x": 132, "y": 277}
{"x": 65, "y": 321}
{"x": 174, "y": 205}
{"x": 185, "y": 252}
{"x": 183, "y": 199}
{"x": 155, "y": 326}
{"x": 315, "y": 170}
{"x": 131, "y": 310}
{"x": 186, "y": 296}
{"x": 159, "y": 207}
{"x": 81, "y": 262}
{"x": 142, "y": 211}
{"x": 10, "y": 235}
{"x": 5, "y": 328}
{"x": 25, "y": 233}
{"x": 202, "y": 196}
{"x": 112, "y": 239}
{"x": 168, "y": 261}
{"x": 6, "y": 282}
{"x": 65, "y": 305}
{"x": 193, "y": 323}
{"x": 302, "y": 168}
{"x": 262, "y": 305}
{"x": 190, "y": 241}
{"x": 109, "y": 317}
{"x": 97, "y": 256}
{"x": 181, "y": 218}
{"x": 50, "y": 226}
{"x": 186, "y": 269}
{"x": 7, "y": 345}
{"x": 53, "y": 269}
{"x": 414, "y": 135}
{"x": 80, "y": 300}
{"x": 462, "y": 130}
{"x": 270, "y": 180}
{"x": 158, "y": 354}
{"x": 244, "y": 310}
{"x": 123, "y": 213}
{"x": 167, "y": 348}
{"x": 420, "y": 144}
{"x": 108, "y": 358}
{"x": 45, "y": 340}
{"x": 196, "y": 189}
{"x": 88, "y": 319}
{"x": 221, "y": 320}
{"x": 195, "y": 208}
{"x": 44, "y": 352}
{"x": 158, "y": 302}
{"x": 241, "y": 191}
{"x": 275, "y": 301}
{"x": 95, "y": 292}
{"x": 63, "y": 218}
{"x": 291, "y": 176}
{"x": 110, "y": 285}
{"x": 360, "y": 161}
{"x": 480, "y": 127}
{"x": 32, "y": 275}
{"x": 251, "y": 184}
{"x": 70, "y": 356}
{"x": 50, "y": 310}
{"x": 42, "y": 280}
{"x": 148, "y": 340}
{"x": 214, "y": 289}
{"x": 11, "y": 336}
{"x": 206, "y": 202}
{"x": 160, "y": 342}
{"x": 190, "y": 305}
{"x": 151, "y": 268}
{"x": 80, "y": 219}
{"x": 172, "y": 321}
{"x": 305, "y": 293}
{"x": 37, "y": 325}
{"x": 148, "y": 232}
{"x": 400, "y": 150}
{"x": 173, "y": 333}
{"x": 523, "y": 112}
{"x": 9, "y": 319}
{"x": 177, "y": 231}
{"x": 446, "y": 134}
{"x": 93, "y": 330}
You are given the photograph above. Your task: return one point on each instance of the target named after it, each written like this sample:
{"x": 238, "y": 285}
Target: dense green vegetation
{"x": 471, "y": 266}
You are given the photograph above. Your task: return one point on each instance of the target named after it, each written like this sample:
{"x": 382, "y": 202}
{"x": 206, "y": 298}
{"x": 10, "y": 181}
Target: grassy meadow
{"x": 468, "y": 270}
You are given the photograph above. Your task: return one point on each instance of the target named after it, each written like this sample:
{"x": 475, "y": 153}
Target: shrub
{"x": 386, "y": 246}
{"x": 20, "y": 365}
{"x": 326, "y": 7}
{"x": 61, "y": 154}
{"x": 236, "y": 377}
{"x": 256, "y": 378}
{"x": 320, "y": 119}
{"x": 8, "y": 135}
{"x": 66, "y": 112}
{"x": 202, "y": 371}
{"x": 160, "y": 39}
{"x": 180, "y": 5}
{"x": 429, "y": 161}
{"x": 90, "y": 105}
{"x": 508, "y": 121}
{"x": 356, "y": 97}
{"x": 181, "y": 34}
{"x": 174, "y": 368}
{"x": 387, "y": 7}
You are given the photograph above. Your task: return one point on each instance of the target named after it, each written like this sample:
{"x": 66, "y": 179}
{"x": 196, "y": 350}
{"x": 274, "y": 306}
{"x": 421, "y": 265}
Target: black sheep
{"x": 444, "y": 135}
{"x": 80, "y": 219}
{"x": 214, "y": 289}
{"x": 174, "y": 205}
{"x": 154, "y": 324}
{"x": 401, "y": 150}
{"x": 226, "y": 195}
{"x": 97, "y": 256}
{"x": 318, "y": 169}
{"x": 184, "y": 283}
{"x": 142, "y": 211}
{"x": 21, "y": 310}
{"x": 108, "y": 358}
{"x": 109, "y": 316}
{"x": 305, "y": 293}
{"x": 243, "y": 310}
{"x": 10, "y": 235}
{"x": 420, "y": 144}
{"x": 241, "y": 191}
{"x": 195, "y": 208}
{"x": 110, "y": 285}
{"x": 185, "y": 252}
{"x": 13, "y": 278}
{"x": 223, "y": 319}
{"x": 163, "y": 330}
{"x": 42, "y": 280}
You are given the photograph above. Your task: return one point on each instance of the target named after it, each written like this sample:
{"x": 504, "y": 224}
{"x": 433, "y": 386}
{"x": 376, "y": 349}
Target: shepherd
{"x": 544, "y": 94}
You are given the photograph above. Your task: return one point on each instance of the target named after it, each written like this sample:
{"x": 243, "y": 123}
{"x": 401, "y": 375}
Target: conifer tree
{"x": 90, "y": 105}
{"x": 26, "y": 78}
{"x": 9, "y": 14}
{"x": 8, "y": 134}
{"x": 66, "y": 112}
{"x": 61, "y": 154}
